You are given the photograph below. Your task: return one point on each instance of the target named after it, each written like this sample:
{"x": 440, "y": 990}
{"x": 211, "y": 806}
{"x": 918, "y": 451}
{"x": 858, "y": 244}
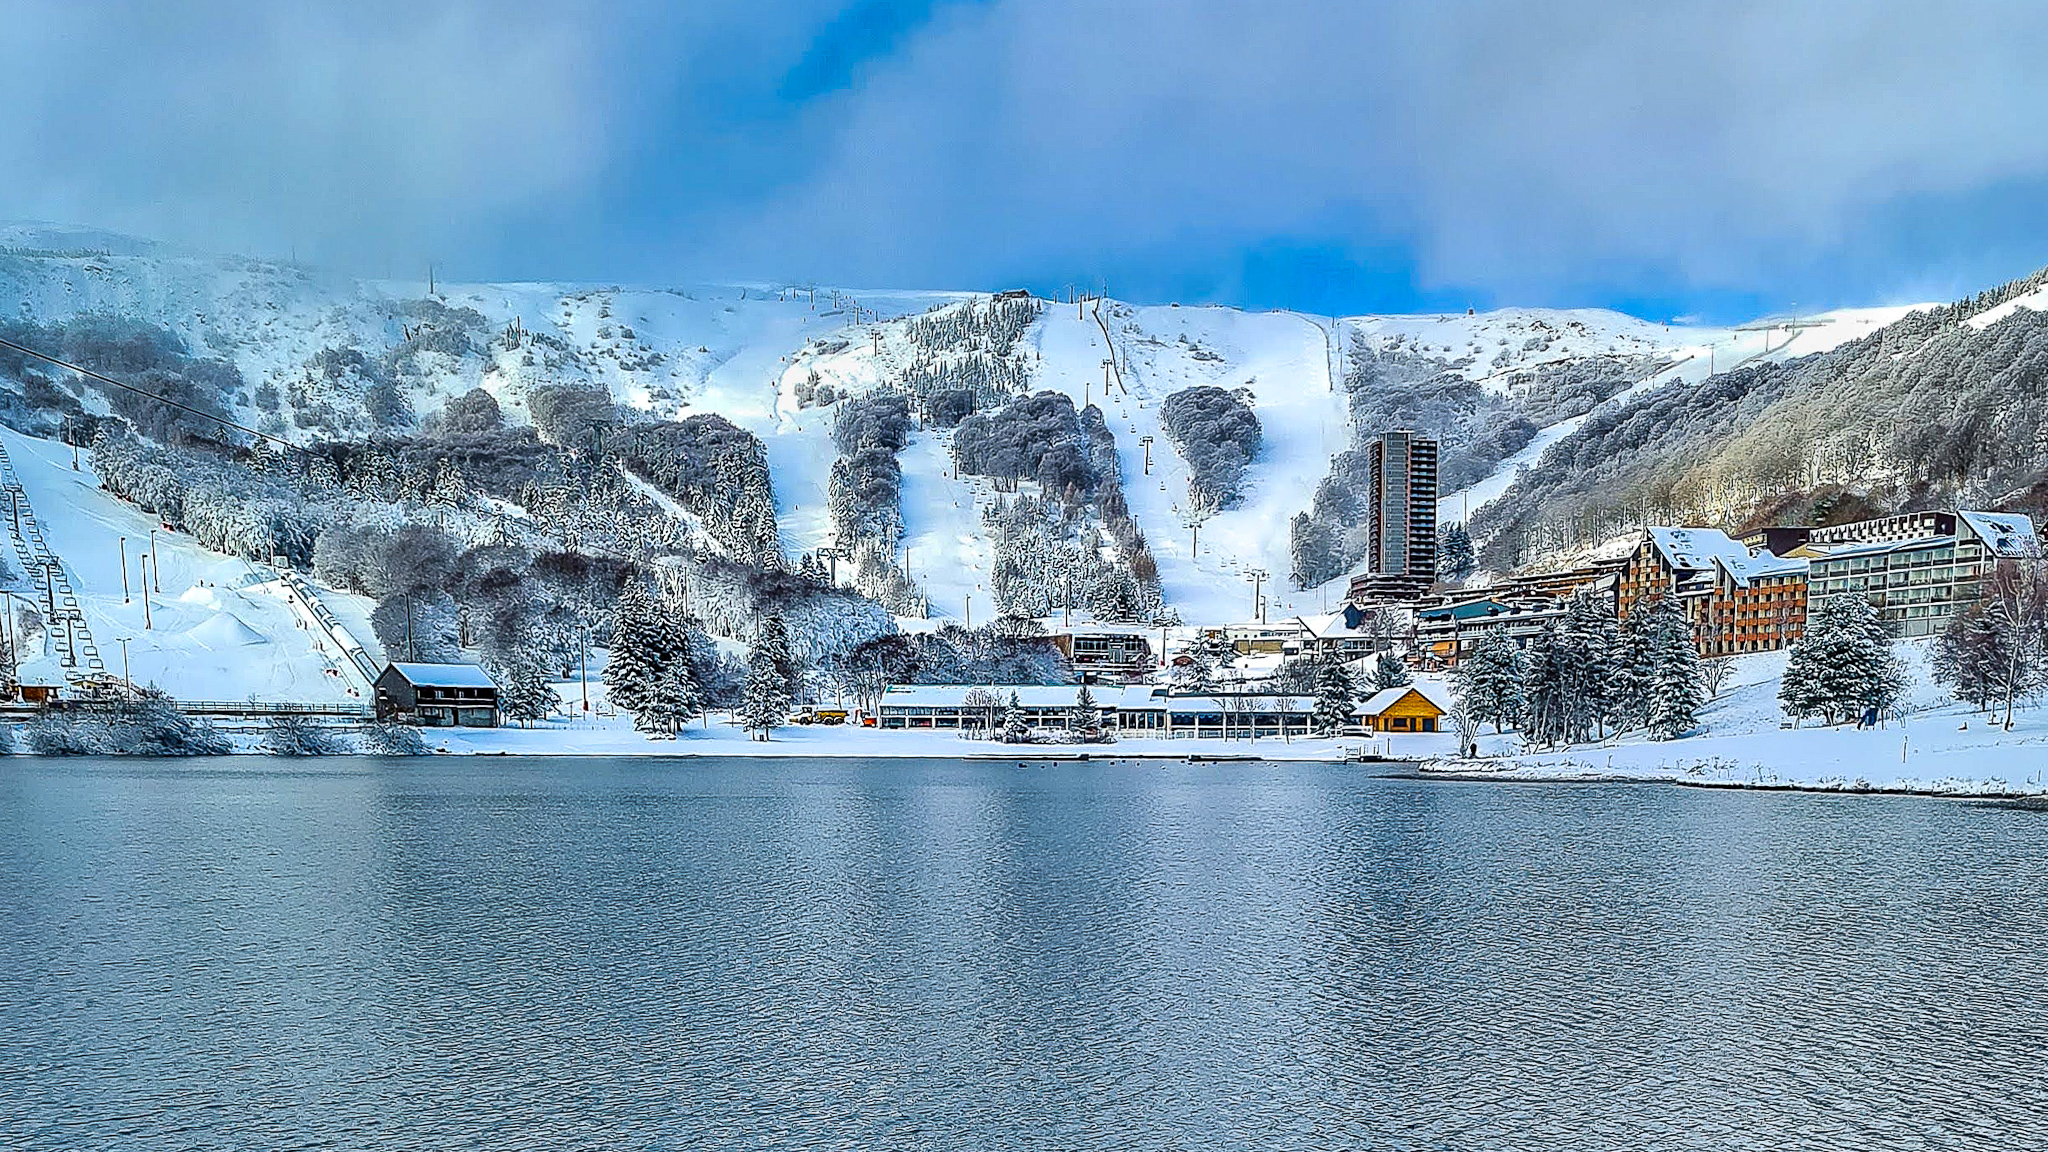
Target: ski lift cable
{"x": 109, "y": 380}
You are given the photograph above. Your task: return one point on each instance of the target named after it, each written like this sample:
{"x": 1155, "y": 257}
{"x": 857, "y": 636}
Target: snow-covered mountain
{"x": 746, "y": 352}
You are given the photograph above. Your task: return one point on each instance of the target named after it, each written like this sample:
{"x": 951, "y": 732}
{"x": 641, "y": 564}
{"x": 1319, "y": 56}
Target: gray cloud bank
{"x": 1515, "y": 146}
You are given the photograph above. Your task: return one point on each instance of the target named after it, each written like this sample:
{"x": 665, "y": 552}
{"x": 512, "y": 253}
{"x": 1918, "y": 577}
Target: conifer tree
{"x": 674, "y": 699}
{"x": 1491, "y": 681}
{"x": 1843, "y": 667}
{"x": 1086, "y": 718}
{"x": 764, "y": 705}
{"x": 1454, "y": 557}
{"x": 1389, "y": 672}
{"x": 1673, "y": 694}
{"x": 1336, "y": 697}
{"x": 1016, "y": 729}
{"x": 644, "y": 641}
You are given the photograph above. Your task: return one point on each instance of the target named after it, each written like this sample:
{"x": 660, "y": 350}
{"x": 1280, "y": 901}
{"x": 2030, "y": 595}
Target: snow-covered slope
{"x": 741, "y": 350}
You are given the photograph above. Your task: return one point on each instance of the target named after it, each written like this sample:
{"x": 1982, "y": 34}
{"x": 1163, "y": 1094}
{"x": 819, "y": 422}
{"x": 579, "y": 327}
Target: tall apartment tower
{"x": 1403, "y": 510}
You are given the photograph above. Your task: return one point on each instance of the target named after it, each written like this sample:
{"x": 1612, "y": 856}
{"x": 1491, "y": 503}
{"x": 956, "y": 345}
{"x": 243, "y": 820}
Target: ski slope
{"x": 212, "y": 628}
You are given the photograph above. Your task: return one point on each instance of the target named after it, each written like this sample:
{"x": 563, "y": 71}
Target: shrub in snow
{"x": 55, "y": 736}
{"x": 290, "y": 734}
{"x": 390, "y": 738}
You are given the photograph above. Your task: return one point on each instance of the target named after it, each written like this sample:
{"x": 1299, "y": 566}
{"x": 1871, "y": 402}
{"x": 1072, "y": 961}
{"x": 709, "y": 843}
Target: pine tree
{"x": 1016, "y": 730}
{"x": 1547, "y": 711}
{"x": 1086, "y": 718}
{"x": 1207, "y": 657}
{"x": 1389, "y": 672}
{"x": 1491, "y": 681}
{"x": 1336, "y": 697}
{"x": 673, "y": 701}
{"x": 644, "y": 642}
{"x": 1454, "y": 557}
{"x": 524, "y": 693}
{"x": 1673, "y": 694}
{"x": 1585, "y": 669}
{"x": 1632, "y": 668}
{"x": 1843, "y": 667}
{"x": 764, "y": 706}
{"x": 774, "y": 636}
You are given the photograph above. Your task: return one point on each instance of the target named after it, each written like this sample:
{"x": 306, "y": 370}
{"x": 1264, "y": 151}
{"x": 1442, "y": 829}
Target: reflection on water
{"x": 944, "y": 955}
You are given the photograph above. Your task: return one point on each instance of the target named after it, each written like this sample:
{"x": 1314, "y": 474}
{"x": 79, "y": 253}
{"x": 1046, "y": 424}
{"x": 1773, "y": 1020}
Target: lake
{"x": 942, "y": 955}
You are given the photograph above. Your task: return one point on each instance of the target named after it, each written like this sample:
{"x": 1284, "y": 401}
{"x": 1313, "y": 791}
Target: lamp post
{"x": 125, "y": 597}
{"x": 126, "y": 677}
{"x": 156, "y": 568}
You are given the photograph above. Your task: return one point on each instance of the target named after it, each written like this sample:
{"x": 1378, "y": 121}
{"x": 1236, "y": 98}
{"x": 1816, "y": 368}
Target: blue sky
{"x": 1721, "y": 160}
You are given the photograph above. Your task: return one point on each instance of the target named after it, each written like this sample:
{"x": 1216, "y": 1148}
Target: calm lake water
{"x": 836, "y": 954}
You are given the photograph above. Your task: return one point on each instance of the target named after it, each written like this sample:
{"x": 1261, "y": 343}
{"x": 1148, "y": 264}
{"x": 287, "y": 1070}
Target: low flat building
{"x": 437, "y": 695}
{"x": 1446, "y": 633}
{"x": 1103, "y": 651}
{"x": 1135, "y": 710}
{"x": 1281, "y": 638}
{"x": 1920, "y": 568}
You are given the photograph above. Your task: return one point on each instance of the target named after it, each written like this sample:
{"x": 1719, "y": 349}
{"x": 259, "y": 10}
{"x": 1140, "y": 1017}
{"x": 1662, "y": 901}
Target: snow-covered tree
{"x": 645, "y": 640}
{"x": 525, "y": 694}
{"x": 1673, "y": 695}
{"x": 1086, "y": 718}
{"x": 1454, "y": 557}
{"x": 1843, "y": 667}
{"x": 764, "y": 706}
{"x": 672, "y": 702}
{"x": 1016, "y": 729}
{"x": 1207, "y": 660}
{"x": 1336, "y": 697}
{"x": 391, "y": 738}
{"x": 1389, "y": 671}
{"x": 1490, "y": 681}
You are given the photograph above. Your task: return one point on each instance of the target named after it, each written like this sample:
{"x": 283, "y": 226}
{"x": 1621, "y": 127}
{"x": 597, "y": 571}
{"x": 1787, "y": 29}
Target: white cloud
{"x": 1513, "y": 144}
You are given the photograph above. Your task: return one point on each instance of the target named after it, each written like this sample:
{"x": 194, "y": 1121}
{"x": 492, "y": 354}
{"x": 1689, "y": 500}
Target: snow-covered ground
{"x": 1940, "y": 746}
{"x": 213, "y": 628}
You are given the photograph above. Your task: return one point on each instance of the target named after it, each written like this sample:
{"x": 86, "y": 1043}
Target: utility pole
{"x": 125, "y": 676}
{"x": 145, "y": 563}
{"x": 74, "y": 455}
{"x": 1195, "y": 542}
{"x": 156, "y": 568}
{"x": 124, "y": 570}
{"x": 583, "y": 670}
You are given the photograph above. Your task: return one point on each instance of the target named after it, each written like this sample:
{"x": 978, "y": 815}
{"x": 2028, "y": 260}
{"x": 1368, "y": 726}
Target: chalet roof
{"x": 445, "y": 675}
{"x": 1386, "y": 698}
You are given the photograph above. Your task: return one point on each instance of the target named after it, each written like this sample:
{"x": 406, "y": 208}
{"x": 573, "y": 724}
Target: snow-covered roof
{"x": 446, "y": 675}
{"x": 1028, "y": 695}
{"x": 2008, "y": 534}
{"x": 1691, "y": 549}
{"x": 1386, "y": 698}
{"x": 1331, "y": 626}
{"x": 1704, "y": 549}
{"x": 40, "y": 672}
